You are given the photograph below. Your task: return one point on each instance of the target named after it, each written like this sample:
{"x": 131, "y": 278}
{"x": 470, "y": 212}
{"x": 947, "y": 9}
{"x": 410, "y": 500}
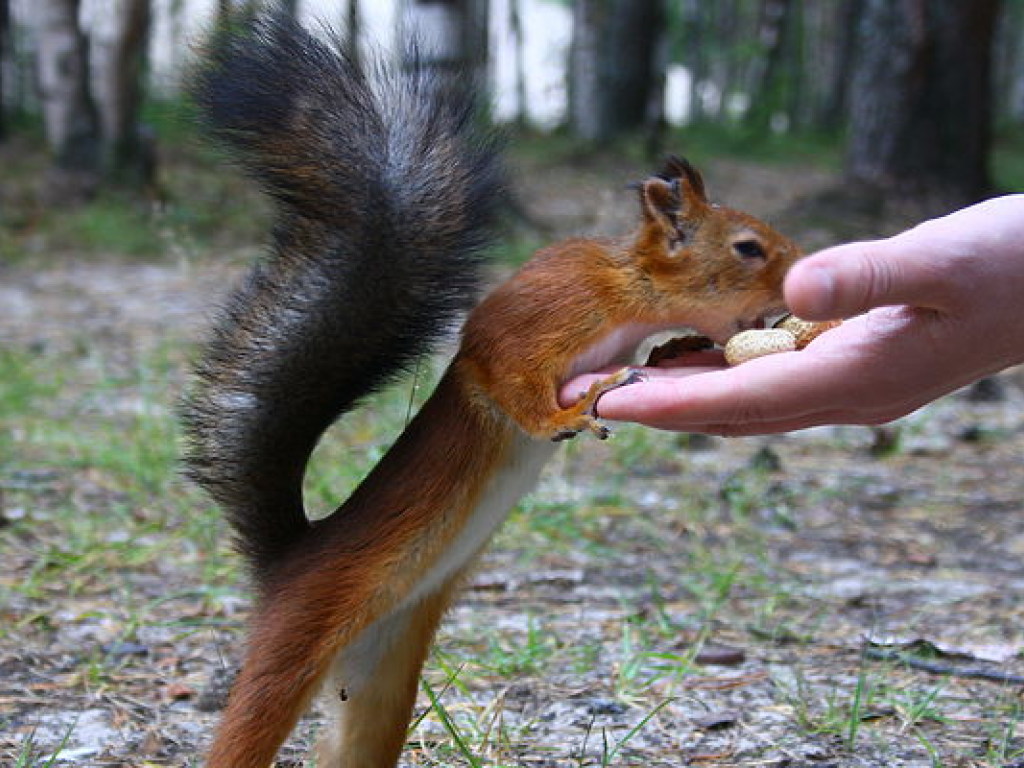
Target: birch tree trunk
{"x": 68, "y": 112}
{"x": 920, "y": 105}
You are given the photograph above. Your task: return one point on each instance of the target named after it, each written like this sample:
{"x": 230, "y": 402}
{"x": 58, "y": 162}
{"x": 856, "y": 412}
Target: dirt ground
{"x": 836, "y": 597}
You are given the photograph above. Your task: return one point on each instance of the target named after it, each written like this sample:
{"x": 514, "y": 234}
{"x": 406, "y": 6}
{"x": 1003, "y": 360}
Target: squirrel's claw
{"x": 583, "y": 415}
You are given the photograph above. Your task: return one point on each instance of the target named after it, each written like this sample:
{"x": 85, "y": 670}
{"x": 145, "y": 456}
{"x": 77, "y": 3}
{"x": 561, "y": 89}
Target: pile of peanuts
{"x": 787, "y": 335}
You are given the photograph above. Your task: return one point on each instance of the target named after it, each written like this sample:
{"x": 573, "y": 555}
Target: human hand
{"x": 930, "y": 310}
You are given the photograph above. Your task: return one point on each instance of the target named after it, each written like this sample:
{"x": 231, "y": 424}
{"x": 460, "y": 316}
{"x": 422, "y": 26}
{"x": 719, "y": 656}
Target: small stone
{"x": 717, "y": 720}
{"x": 605, "y": 707}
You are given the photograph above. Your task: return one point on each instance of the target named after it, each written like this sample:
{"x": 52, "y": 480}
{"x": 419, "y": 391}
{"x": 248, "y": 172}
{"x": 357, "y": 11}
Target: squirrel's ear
{"x": 679, "y": 168}
{"x": 660, "y": 202}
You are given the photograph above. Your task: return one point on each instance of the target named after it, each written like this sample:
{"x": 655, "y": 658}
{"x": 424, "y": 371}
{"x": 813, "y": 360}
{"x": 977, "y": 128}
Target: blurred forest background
{"x": 842, "y": 597}
{"x": 913, "y": 99}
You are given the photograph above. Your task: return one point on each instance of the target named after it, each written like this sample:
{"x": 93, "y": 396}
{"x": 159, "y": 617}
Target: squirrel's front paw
{"x": 583, "y": 415}
{"x": 583, "y": 422}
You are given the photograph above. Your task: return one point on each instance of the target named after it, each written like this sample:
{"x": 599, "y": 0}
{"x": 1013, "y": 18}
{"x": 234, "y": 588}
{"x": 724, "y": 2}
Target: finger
{"x": 779, "y": 389}
{"x": 817, "y": 419}
{"x": 847, "y": 280}
{"x": 571, "y": 391}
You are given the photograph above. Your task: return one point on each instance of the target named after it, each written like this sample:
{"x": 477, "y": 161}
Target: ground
{"x": 835, "y": 597}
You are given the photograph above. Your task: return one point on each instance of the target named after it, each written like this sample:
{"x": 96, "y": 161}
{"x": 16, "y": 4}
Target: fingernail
{"x": 813, "y": 295}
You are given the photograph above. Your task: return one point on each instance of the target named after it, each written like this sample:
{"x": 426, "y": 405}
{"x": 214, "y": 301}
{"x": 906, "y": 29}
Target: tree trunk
{"x": 612, "y": 67}
{"x": 449, "y": 36}
{"x": 832, "y": 112}
{"x": 128, "y": 155}
{"x": 68, "y": 111}
{"x": 920, "y": 103}
{"x": 1010, "y": 66}
{"x": 476, "y": 38}
{"x": 586, "y": 117}
{"x": 695, "y": 56}
{"x": 353, "y": 31}
{"x": 515, "y": 20}
{"x": 224, "y": 13}
{"x": 5, "y": 24}
{"x": 727, "y": 64}
{"x": 766, "y": 84}
{"x": 796, "y": 101}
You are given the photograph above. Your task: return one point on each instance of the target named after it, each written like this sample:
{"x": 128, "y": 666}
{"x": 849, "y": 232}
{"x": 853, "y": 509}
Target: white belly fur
{"x": 515, "y": 478}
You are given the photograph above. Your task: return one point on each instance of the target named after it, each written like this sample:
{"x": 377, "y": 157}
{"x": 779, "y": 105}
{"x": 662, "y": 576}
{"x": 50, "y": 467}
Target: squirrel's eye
{"x": 749, "y": 249}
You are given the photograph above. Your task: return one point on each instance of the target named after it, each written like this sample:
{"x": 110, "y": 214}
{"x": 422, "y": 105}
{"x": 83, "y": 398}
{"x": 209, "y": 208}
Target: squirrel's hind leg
{"x": 373, "y": 683}
{"x": 282, "y": 671}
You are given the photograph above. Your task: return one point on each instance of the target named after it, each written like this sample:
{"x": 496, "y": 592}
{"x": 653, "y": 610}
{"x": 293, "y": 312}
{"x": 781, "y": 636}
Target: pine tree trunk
{"x": 920, "y": 104}
{"x": 449, "y": 36}
{"x": 353, "y": 31}
{"x": 476, "y": 37}
{"x": 5, "y": 24}
{"x": 224, "y": 12}
{"x": 515, "y": 20}
{"x": 1010, "y": 67}
{"x": 613, "y": 65}
{"x": 766, "y": 86}
{"x": 831, "y": 115}
{"x": 696, "y": 59}
{"x": 69, "y": 114}
{"x": 128, "y": 155}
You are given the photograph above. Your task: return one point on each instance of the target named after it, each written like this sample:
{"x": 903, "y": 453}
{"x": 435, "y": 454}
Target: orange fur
{"x": 364, "y": 591}
{"x": 356, "y": 567}
{"x": 521, "y": 342}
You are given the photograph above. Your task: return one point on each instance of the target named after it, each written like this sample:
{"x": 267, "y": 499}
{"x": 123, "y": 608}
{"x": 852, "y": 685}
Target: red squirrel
{"x": 386, "y": 188}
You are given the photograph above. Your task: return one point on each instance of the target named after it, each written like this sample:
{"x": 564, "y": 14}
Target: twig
{"x": 938, "y": 668}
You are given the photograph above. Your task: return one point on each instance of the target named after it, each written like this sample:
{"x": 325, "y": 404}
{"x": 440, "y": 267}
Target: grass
{"x": 677, "y": 550}
{"x": 701, "y": 140}
{"x": 94, "y": 490}
{"x": 30, "y": 757}
{"x": 59, "y": 439}
{"x": 197, "y": 202}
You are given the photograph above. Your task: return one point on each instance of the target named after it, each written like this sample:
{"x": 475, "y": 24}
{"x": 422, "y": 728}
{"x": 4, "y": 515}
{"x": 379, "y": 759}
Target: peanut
{"x": 804, "y": 331}
{"x": 746, "y": 345}
{"x": 789, "y": 334}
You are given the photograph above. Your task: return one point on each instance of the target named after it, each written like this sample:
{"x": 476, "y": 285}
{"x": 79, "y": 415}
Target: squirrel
{"x": 386, "y": 189}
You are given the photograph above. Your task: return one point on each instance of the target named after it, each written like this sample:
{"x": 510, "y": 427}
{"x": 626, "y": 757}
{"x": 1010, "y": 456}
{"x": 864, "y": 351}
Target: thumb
{"x": 847, "y": 280}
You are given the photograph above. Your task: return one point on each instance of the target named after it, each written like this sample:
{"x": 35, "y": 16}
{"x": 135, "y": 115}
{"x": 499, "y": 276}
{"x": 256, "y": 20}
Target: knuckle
{"x": 875, "y": 280}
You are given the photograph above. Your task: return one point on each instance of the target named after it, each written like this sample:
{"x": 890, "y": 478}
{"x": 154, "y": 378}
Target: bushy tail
{"x": 385, "y": 190}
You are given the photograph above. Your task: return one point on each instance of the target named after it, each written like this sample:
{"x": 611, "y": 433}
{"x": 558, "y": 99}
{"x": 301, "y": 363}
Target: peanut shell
{"x": 804, "y": 331}
{"x": 747, "y": 345}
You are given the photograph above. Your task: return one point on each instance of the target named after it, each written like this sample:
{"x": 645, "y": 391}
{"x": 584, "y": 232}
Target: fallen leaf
{"x": 720, "y": 655}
